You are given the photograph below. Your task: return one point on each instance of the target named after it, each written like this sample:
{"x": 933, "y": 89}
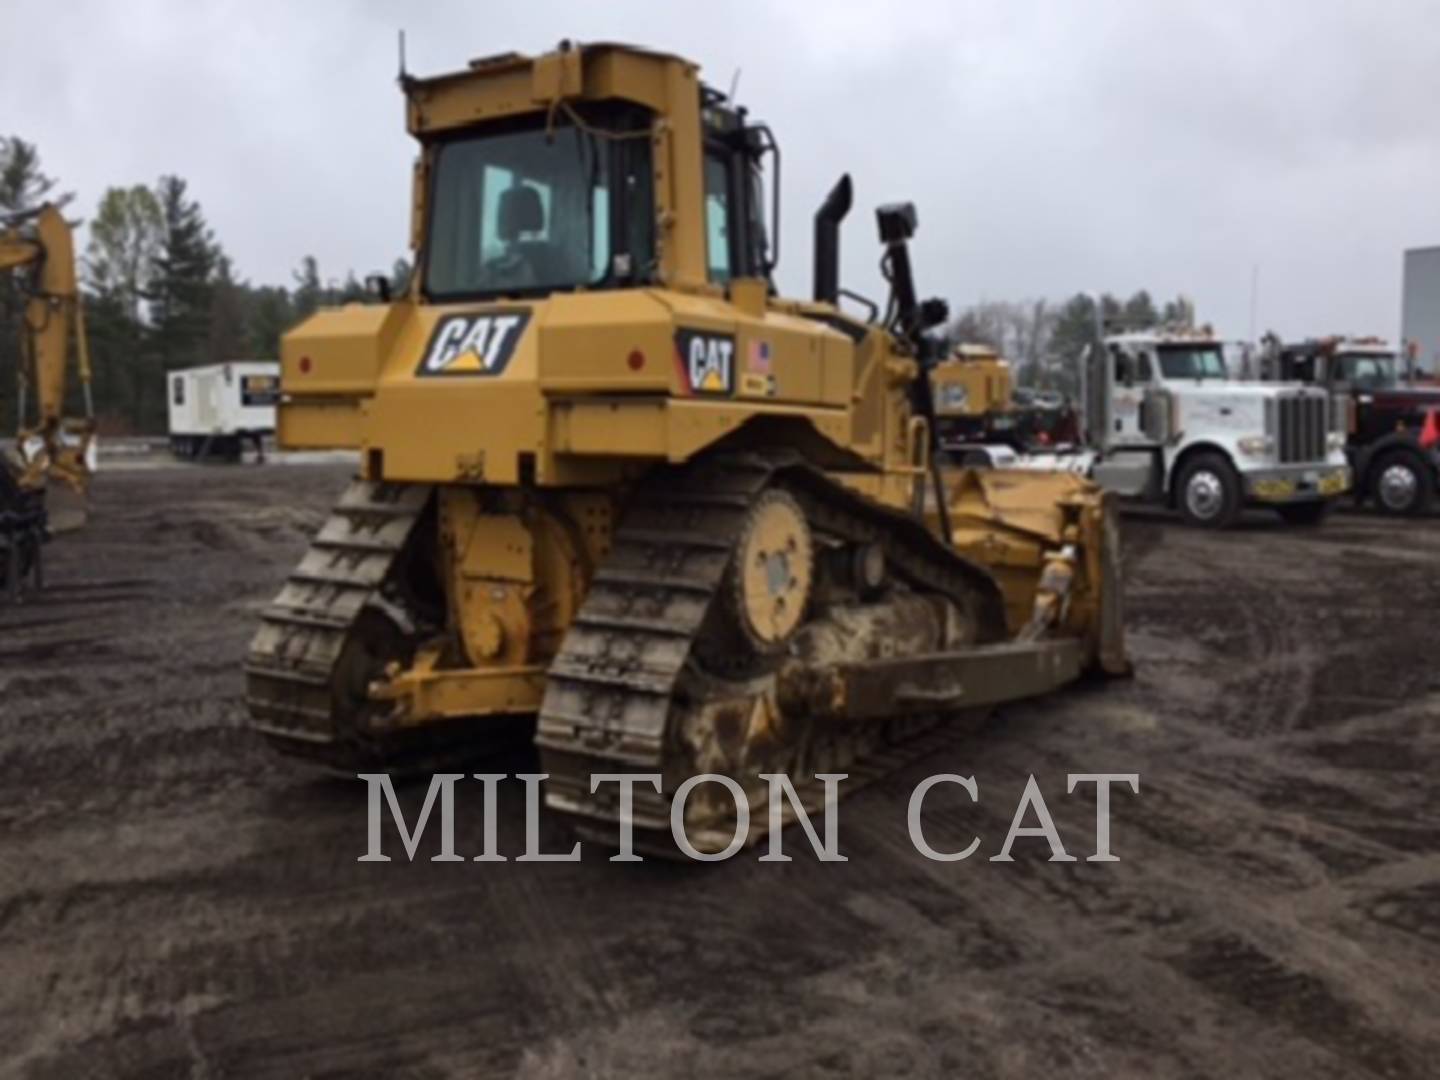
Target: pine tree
{"x": 181, "y": 292}
{"x": 309, "y": 292}
{"x": 400, "y": 273}
{"x": 270, "y": 312}
{"x": 1179, "y": 312}
{"x": 1139, "y": 312}
{"x": 1074, "y": 329}
{"x": 351, "y": 291}
{"x": 23, "y": 186}
{"x": 228, "y": 337}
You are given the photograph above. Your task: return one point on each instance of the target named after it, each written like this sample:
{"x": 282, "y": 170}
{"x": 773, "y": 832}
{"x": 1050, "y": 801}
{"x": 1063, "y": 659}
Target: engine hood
{"x": 1233, "y": 389}
{"x": 1407, "y": 397}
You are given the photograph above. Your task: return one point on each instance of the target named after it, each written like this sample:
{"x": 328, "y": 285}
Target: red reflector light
{"x": 304, "y": 365}
{"x": 636, "y": 359}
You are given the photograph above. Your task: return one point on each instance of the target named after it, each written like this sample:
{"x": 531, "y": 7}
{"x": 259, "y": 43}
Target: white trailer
{"x": 216, "y": 408}
{"x": 1420, "y": 309}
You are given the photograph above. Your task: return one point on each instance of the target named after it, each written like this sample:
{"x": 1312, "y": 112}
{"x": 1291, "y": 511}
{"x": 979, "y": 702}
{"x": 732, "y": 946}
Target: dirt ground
{"x": 174, "y": 902}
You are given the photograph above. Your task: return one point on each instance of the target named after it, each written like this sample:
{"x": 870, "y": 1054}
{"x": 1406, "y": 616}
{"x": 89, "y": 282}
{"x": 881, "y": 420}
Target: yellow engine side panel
{"x": 583, "y": 379}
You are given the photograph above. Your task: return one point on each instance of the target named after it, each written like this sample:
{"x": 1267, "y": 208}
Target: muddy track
{"x": 175, "y": 902}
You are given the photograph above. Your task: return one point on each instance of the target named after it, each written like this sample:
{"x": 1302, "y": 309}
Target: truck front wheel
{"x": 1402, "y": 484}
{"x": 1208, "y": 492}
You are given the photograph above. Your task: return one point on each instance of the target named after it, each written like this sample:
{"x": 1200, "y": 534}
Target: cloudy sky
{"x": 1050, "y": 147}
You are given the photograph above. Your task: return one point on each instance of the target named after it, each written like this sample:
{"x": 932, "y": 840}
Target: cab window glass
{"x": 1123, "y": 371}
{"x": 599, "y": 232}
{"x": 519, "y": 211}
{"x": 717, "y": 219}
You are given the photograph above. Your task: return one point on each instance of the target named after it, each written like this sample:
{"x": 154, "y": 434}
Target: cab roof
{"x": 511, "y": 83}
{"x": 1343, "y": 343}
{"x": 1203, "y": 335}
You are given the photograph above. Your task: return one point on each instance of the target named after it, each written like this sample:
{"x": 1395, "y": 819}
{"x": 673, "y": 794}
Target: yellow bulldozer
{"x": 615, "y": 491}
{"x": 972, "y": 389}
{"x": 54, "y": 453}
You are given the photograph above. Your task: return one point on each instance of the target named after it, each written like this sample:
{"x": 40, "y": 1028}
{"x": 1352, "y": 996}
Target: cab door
{"x": 1132, "y": 374}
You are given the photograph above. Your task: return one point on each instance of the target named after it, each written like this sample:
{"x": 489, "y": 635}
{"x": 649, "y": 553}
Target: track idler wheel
{"x": 375, "y": 641}
{"x": 774, "y": 572}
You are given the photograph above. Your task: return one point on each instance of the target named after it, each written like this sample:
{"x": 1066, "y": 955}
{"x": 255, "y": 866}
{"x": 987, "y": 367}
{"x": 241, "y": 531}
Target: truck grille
{"x": 1299, "y": 424}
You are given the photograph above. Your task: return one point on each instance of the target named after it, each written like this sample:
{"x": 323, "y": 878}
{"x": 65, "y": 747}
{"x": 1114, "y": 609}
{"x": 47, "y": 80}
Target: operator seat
{"x": 521, "y": 212}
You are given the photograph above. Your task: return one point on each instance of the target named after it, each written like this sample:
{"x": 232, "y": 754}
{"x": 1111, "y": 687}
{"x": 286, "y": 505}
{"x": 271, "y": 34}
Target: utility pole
{"x": 1254, "y": 296}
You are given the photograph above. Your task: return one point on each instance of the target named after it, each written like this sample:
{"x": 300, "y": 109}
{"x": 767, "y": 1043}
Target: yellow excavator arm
{"x": 41, "y": 246}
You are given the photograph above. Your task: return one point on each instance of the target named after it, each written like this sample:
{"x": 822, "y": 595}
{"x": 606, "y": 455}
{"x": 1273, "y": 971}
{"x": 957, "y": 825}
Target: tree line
{"x": 158, "y": 289}
{"x": 1044, "y": 340}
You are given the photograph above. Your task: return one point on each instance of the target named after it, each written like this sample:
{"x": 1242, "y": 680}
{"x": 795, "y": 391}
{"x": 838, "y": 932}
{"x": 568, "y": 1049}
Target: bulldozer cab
{"x": 588, "y": 168}
{"x": 589, "y": 225}
{"x": 527, "y": 208}
{"x": 737, "y": 240}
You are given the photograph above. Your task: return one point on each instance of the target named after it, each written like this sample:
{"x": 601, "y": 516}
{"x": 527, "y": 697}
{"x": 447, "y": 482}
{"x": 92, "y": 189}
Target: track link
{"x": 294, "y": 666}
{"x": 627, "y": 669}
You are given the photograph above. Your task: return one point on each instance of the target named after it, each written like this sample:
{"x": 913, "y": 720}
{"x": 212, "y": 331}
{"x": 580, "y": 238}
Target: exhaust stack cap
{"x": 827, "y": 240}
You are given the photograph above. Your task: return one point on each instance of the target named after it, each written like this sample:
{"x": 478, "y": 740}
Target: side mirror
{"x": 933, "y": 312}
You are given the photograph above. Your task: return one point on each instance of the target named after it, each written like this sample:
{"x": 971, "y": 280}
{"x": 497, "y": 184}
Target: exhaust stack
{"x": 827, "y": 240}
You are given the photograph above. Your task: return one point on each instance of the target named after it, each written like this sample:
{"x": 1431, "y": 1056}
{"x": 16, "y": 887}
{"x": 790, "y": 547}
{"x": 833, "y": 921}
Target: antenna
{"x": 403, "y": 75}
{"x": 734, "y": 85}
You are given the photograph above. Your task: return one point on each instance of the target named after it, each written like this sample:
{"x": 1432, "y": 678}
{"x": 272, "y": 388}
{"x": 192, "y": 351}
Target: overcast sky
{"x": 1050, "y": 147}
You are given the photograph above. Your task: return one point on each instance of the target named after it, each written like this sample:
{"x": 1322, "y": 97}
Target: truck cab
{"x": 1392, "y": 430}
{"x": 1169, "y": 426}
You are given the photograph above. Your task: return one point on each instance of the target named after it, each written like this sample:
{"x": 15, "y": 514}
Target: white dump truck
{"x": 217, "y": 408}
{"x": 1165, "y": 424}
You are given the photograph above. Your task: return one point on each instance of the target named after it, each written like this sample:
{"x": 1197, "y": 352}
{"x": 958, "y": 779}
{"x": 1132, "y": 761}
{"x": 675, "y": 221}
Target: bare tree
{"x": 1019, "y": 330}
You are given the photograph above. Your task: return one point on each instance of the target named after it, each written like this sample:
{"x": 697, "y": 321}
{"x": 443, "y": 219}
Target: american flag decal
{"x": 759, "y": 357}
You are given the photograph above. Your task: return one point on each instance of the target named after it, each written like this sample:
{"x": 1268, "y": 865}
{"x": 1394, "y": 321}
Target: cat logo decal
{"x": 706, "y": 362}
{"x": 476, "y": 343}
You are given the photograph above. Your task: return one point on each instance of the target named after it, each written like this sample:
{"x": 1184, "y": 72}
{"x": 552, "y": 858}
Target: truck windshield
{"x": 1192, "y": 362}
{"x": 1372, "y": 371}
{"x": 530, "y": 211}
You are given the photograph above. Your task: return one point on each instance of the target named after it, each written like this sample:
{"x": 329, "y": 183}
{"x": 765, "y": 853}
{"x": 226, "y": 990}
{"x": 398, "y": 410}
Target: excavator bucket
{"x": 61, "y": 466}
{"x": 66, "y": 509}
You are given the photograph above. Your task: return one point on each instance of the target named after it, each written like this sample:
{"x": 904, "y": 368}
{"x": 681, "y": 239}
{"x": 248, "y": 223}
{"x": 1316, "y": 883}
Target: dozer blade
{"x": 1010, "y": 520}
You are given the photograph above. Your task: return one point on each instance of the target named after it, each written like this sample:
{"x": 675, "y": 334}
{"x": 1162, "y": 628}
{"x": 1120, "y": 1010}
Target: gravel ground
{"x": 175, "y": 902}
